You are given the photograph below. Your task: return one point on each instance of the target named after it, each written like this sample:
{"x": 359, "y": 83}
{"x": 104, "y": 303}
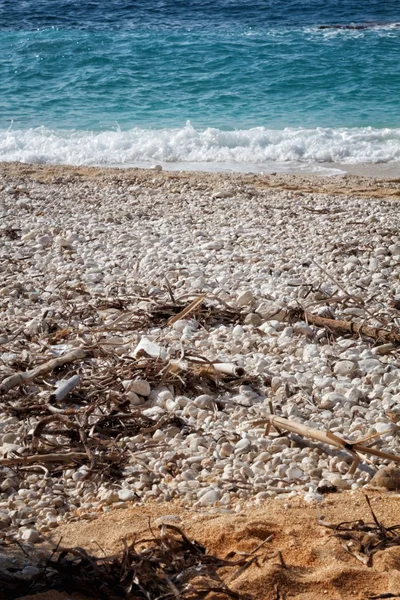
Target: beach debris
{"x": 362, "y": 540}
{"x": 340, "y": 326}
{"x": 64, "y": 388}
{"x": 28, "y": 376}
{"x": 167, "y": 565}
{"x": 357, "y": 448}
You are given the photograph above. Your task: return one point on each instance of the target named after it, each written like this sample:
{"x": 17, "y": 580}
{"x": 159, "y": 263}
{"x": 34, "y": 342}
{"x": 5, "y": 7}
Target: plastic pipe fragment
{"x": 65, "y": 388}
{"x": 229, "y": 369}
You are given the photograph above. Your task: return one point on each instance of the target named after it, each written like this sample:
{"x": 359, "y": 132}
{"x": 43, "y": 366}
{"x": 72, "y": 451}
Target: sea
{"x": 235, "y": 85}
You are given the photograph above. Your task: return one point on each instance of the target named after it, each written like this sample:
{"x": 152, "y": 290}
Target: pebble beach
{"x": 86, "y": 251}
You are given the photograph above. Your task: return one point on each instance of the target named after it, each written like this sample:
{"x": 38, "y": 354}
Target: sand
{"x": 316, "y": 565}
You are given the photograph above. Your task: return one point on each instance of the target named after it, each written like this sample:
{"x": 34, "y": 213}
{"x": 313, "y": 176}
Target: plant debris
{"x": 362, "y": 540}
{"x": 168, "y": 565}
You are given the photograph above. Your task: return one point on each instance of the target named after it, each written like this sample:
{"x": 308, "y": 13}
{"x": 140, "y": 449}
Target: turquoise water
{"x": 191, "y": 81}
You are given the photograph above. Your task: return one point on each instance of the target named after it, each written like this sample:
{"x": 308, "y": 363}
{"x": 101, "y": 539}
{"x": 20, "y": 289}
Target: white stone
{"x": 210, "y": 498}
{"x": 140, "y": 387}
{"x": 134, "y": 398}
{"x": 204, "y": 402}
{"x": 238, "y": 331}
{"x": 303, "y": 328}
{"x": 226, "y": 449}
{"x": 344, "y": 368}
{"x": 245, "y": 298}
{"x": 124, "y": 495}
{"x": 368, "y": 365}
{"x": 313, "y": 498}
{"x": 30, "y": 535}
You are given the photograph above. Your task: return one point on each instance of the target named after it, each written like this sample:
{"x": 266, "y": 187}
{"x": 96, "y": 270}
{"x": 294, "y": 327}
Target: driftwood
{"x": 355, "y": 448}
{"x": 340, "y": 326}
{"x": 40, "y": 458}
{"x": 22, "y": 378}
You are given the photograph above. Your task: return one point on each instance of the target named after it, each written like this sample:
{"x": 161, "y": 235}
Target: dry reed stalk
{"x": 188, "y": 310}
{"x": 354, "y": 448}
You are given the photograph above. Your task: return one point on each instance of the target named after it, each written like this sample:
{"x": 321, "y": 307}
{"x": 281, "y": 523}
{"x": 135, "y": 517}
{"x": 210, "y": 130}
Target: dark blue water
{"x": 118, "y": 81}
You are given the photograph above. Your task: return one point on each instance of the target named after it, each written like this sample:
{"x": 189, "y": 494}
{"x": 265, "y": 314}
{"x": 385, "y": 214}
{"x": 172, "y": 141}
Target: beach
{"x": 195, "y": 308}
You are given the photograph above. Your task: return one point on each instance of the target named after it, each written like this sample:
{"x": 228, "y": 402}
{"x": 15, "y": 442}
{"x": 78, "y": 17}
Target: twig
{"x": 37, "y": 458}
{"x": 188, "y": 310}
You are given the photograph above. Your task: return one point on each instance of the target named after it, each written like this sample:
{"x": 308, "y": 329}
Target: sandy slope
{"x": 317, "y": 566}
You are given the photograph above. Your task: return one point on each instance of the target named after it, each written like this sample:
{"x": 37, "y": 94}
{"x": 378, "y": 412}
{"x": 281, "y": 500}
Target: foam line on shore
{"x": 256, "y": 146}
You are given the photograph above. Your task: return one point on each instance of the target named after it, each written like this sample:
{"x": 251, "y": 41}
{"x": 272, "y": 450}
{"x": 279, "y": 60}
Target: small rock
{"x": 140, "y": 387}
{"x": 313, "y": 497}
{"x": 242, "y": 445}
{"x": 29, "y": 571}
{"x": 394, "y": 249}
{"x": 124, "y": 495}
{"x": 45, "y": 240}
{"x": 62, "y": 242}
{"x": 222, "y": 194}
{"x": 303, "y": 328}
{"x": 134, "y": 398}
{"x": 238, "y": 331}
{"x": 369, "y": 364}
{"x": 253, "y": 319}
{"x": 245, "y": 298}
{"x": 204, "y": 402}
{"x": 31, "y": 535}
{"x": 387, "y": 477}
{"x": 226, "y": 449}
{"x": 344, "y": 368}
{"x": 339, "y": 483}
{"x": 210, "y": 498}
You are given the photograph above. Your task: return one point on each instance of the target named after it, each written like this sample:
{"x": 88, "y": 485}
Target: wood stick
{"x": 354, "y": 448}
{"x": 376, "y": 333}
{"x": 37, "y": 458}
{"x": 22, "y": 378}
{"x": 188, "y": 310}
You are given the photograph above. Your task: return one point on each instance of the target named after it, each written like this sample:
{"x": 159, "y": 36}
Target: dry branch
{"x": 188, "y": 310}
{"x": 340, "y": 326}
{"x": 39, "y": 458}
{"x": 22, "y": 378}
{"x": 355, "y": 448}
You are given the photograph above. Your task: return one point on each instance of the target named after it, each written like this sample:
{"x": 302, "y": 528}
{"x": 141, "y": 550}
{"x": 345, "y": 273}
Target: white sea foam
{"x": 256, "y": 146}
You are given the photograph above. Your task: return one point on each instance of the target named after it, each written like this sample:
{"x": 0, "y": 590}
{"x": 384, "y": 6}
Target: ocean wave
{"x": 257, "y": 145}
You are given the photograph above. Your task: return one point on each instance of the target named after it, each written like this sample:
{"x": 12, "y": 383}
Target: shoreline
{"x": 369, "y": 170}
{"x": 358, "y": 183}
